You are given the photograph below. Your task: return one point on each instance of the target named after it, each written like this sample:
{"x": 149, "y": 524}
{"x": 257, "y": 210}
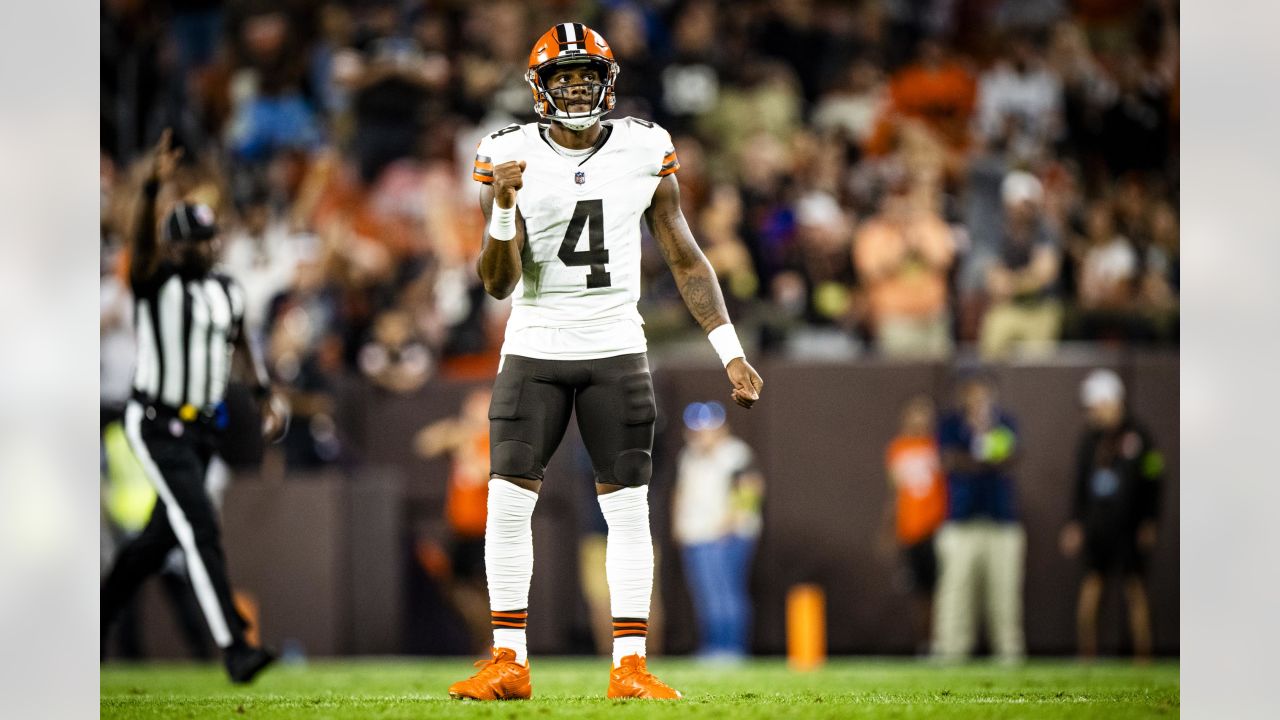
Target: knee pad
{"x": 632, "y": 468}
{"x": 514, "y": 458}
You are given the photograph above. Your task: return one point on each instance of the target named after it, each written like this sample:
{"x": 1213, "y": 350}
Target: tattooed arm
{"x": 696, "y": 280}
{"x": 694, "y": 276}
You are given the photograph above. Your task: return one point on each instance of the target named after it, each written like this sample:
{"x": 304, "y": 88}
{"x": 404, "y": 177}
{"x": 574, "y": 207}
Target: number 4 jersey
{"x": 576, "y": 299}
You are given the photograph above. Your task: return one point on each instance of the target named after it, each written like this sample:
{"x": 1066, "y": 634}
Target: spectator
{"x": 1025, "y": 312}
{"x": 1159, "y": 290}
{"x": 718, "y": 226}
{"x": 716, "y": 521}
{"x": 1108, "y": 281}
{"x": 1115, "y": 504}
{"x": 395, "y": 358}
{"x": 851, "y": 108}
{"x": 820, "y": 250}
{"x": 1020, "y": 98}
{"x": 690, "y": 83}
{"x": 465, "y": 439}
{"x": 937, "y": 89}
{"x": 270, "y": 112}
{"x": 1108, "y": 262}
{"x": 903, "y": 256}
{"x": 981, "y": 547}
{"x": 263, "y": 254}
{"x": 918, "y": 506}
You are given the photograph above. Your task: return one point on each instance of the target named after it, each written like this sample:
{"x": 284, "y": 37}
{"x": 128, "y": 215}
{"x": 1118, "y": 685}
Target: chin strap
{"x": 578, "y": 124}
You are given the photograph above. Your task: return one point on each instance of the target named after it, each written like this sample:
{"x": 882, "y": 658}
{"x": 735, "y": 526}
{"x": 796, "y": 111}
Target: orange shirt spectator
{"x": 467, "y": 500}
{"x": 465, "y": 438}
{"x": 916, "y": 473}
{"x": 935, "y": 89}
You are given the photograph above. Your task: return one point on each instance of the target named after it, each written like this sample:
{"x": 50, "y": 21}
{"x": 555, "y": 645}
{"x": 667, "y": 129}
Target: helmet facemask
{"x": 551, "y": 103}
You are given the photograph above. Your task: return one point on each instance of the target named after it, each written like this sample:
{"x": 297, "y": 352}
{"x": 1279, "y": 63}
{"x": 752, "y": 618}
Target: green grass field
{"x": 574, "y": 688}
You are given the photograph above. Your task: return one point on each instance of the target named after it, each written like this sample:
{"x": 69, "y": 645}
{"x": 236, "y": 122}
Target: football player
{"x": 564, "y": 199}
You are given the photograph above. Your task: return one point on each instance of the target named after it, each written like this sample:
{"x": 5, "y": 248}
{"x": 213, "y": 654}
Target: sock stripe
{"x": 630, "y": 627}
{"x": 516, "y": 619}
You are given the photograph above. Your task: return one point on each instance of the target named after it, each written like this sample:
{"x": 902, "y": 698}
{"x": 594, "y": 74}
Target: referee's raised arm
{"x": 144, "y": 252}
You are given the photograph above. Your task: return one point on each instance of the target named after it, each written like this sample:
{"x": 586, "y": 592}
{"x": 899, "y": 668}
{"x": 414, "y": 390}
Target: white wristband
{"x": 502, "y": 223}
{"x": 725, "y": 341}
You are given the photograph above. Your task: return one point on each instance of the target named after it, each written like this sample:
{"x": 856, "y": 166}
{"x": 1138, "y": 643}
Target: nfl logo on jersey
{"x": 580, "y": 177}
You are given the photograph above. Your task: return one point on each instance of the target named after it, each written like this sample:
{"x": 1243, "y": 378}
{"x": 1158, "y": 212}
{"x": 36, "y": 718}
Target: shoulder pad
{"x": 499, "y": 147}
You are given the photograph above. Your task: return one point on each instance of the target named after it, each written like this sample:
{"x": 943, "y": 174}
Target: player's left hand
{"x": 275, "y": 417}
{"x": 747, "y": 383}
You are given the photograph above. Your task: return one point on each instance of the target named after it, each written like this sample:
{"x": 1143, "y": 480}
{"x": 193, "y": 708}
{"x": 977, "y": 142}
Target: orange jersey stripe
{"x": 486, "y": 179}
{"x": 668, "y": 169}
{"x": 520, "y": 615}
{"x": 630, "y": 624}
{"x": 630, "y": 633}
{"x": 516, "y": 625}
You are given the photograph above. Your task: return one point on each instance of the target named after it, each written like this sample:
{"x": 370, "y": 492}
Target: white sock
{"x": 508, "y": 562}
{"x": 629, "y": 567}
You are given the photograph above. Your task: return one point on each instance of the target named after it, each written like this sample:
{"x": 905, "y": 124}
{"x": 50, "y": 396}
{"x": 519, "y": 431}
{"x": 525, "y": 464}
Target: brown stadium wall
{"x": 328, "y": 559}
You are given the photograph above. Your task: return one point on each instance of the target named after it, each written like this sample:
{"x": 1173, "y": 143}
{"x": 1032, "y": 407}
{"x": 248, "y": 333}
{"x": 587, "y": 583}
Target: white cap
{"x": 818, "y": 209}
{"x": 1020, "y": 186}
{"x": 1101, "y": 386}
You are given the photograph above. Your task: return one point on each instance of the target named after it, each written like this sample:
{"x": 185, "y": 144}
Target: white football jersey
{"x": 576, "y": 299}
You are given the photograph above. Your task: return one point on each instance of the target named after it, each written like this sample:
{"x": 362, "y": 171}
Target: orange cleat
{"x": 500, "y": 678}
{"x": 632, "y": 679}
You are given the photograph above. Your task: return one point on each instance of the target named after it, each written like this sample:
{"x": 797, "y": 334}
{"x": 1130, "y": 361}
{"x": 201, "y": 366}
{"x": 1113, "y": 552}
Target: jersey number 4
{"x": 591, "y": 214}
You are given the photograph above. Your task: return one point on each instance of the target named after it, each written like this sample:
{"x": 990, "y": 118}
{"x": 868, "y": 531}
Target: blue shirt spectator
{"x": 978, "y": 481}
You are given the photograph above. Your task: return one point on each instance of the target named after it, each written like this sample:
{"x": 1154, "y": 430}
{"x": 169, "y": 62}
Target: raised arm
{"x": 499, "y": 265}
{"x": 699, "y": 287}
{"x": 144, "y": 250}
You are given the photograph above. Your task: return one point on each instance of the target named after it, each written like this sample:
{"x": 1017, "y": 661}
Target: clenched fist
{"x": 507, "y": 179}
{"x": 746, "y": 382}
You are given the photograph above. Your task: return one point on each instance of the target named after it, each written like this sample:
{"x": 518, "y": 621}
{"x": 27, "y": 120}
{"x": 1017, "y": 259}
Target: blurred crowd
{"x": 905, "y": 177}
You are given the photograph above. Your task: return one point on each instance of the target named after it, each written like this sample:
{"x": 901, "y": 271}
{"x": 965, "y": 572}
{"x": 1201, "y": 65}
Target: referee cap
{"x": 190, "y": 221}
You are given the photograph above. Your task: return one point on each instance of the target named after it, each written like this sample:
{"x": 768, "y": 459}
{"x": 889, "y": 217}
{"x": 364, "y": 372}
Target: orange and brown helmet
{"x": 569, "y": 44}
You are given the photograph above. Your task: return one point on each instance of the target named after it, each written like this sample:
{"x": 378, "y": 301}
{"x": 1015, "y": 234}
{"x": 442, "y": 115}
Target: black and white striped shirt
{"x": 186, "y": 330}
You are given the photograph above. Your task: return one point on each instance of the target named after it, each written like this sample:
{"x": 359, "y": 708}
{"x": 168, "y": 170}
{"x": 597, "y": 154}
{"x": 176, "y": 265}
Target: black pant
{"x": 175, "y": 456}
{"x": 532, "y": 402}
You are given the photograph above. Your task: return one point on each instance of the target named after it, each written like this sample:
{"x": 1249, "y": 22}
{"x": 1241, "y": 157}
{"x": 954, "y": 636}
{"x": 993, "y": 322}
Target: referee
{"x": 189, "y": 323}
